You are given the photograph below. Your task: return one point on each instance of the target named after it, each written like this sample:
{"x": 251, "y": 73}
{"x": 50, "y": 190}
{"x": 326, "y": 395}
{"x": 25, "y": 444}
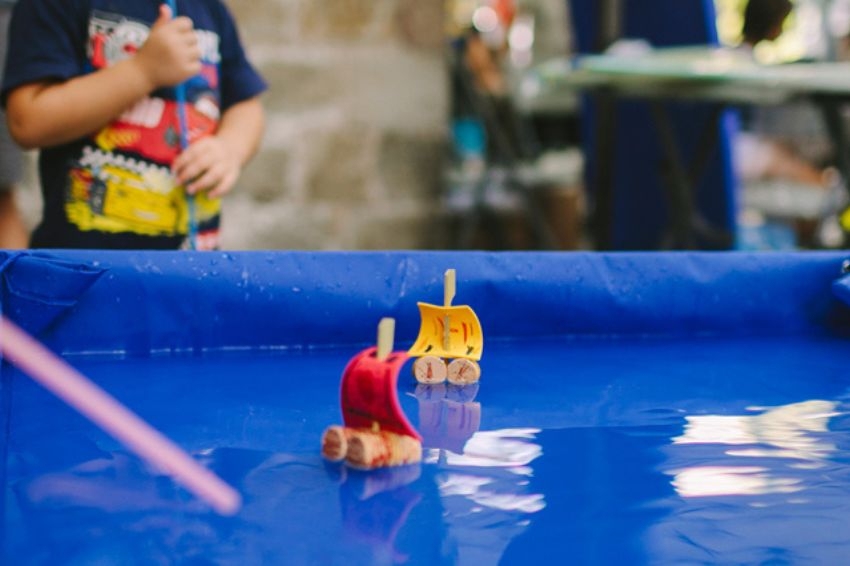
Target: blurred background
{"x": 403, "y": 124}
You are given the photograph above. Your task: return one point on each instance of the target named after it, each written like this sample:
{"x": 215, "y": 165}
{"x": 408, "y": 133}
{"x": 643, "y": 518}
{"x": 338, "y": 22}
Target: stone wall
{"x": 357, "y": 117}
{"x": 356, "y": 127}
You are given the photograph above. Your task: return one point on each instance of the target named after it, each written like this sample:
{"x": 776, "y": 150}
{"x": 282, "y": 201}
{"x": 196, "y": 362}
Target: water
{"x": 582, "y": 451}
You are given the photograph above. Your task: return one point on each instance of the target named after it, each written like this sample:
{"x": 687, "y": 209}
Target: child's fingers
{"x": 227, "y": 182}
{"x": 183, "y": 24}
{"x": 171, "y": 53}
{"x": 206, "y": 181}
{"x": 165, "y": 15}
{"x": 215, "y": 182}
{"x": 190, "y": 40}
{"x": 204, "y": 167}
{"x": 187, "y": 171}
{"x": 193, "y": 161}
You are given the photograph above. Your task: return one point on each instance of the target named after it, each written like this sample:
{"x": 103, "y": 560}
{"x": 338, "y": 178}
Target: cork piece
{"x": 463, "y": 372}
{"x": 430, "y": 369}
{"x": 335, "y": 443}
{"x": 367, "y": 450}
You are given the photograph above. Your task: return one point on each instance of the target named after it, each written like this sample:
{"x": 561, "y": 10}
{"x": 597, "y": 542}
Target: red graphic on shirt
{"x": 151, "y": 129}
{"x": 98, "y": 54}
{"x": 159, "y": 142}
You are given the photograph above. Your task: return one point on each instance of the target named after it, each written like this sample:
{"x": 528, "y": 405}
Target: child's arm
{"x": 48, "y": 113}
{"x": 213, "y": 163}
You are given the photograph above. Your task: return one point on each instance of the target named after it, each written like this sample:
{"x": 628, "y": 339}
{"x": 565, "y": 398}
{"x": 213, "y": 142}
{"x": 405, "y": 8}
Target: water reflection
{"x": 298, "y": 509}
{"x": 110, "y": 509}
{"x": 763, "y": 487}
{"x": 375, "y": 505}
{"x": 73, "y": 501}
{"x": 448, "y": 415}
{"x": 510, "y": 449}
{"x": 482, "y": 476}
{"x": 791, "y": 432}
{"x": 115, "y": 484}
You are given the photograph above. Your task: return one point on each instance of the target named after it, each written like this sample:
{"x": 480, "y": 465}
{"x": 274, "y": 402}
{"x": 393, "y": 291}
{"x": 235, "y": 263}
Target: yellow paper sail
{"x": 464, "y": 338}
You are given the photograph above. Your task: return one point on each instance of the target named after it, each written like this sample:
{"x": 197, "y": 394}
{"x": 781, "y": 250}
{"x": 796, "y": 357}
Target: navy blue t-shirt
{"x": 114, "y": 189}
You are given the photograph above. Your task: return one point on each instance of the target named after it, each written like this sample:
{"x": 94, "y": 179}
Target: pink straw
{"x": 68, "y": 384}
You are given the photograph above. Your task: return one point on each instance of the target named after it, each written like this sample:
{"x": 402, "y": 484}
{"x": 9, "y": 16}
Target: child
{"x": 92, "y": 85}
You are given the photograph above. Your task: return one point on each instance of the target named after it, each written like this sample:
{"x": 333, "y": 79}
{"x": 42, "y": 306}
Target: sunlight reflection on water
{"x": 793, "y": 431}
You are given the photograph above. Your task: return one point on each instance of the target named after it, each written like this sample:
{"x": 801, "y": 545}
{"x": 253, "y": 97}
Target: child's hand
{"x": 171, "y": 53}
{"x": 207, "y": 165}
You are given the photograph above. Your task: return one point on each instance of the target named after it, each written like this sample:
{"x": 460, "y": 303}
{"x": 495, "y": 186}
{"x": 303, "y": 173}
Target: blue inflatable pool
{"x": 633, "y": 408}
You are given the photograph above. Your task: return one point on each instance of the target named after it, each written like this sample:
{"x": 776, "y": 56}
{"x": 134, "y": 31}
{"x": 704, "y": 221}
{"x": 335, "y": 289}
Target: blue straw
{"x": 183, "y": 132}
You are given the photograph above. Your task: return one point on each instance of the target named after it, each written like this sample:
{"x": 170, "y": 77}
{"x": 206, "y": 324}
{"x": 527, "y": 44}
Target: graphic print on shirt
{"x": 122, "y": 181}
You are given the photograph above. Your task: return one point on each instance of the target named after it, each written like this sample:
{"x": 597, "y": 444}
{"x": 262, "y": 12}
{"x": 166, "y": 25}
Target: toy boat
{"x": 376, "y": 432}
{"x": 450, "y": 341}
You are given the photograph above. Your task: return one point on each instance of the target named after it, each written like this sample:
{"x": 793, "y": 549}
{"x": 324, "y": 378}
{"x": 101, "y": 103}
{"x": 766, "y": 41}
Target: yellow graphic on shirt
{"x": 110, "y": 193}
{"x": 109, "y": 138}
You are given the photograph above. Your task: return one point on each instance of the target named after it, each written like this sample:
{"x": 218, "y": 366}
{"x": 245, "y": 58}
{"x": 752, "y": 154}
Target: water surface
{"x": 603, "y": 451}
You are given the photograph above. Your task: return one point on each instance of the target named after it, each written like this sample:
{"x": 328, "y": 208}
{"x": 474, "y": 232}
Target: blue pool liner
{"x": 141, "y": 303}
{"x": 37, "y": 288}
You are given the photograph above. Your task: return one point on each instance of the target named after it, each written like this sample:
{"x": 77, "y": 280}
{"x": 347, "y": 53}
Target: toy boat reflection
{"x": 448, "y": 415}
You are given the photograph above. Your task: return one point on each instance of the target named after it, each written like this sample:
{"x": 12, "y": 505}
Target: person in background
{"x": 482, "y": 90}
{"x": 764, "y": 21}
{"x": 13, "y": 230}
{"x": 760, "y": 156}
{"x": 92, "y": 85}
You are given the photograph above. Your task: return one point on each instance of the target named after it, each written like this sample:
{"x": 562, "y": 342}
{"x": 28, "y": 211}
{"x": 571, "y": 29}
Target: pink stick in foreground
{"x": 79, "y": 392}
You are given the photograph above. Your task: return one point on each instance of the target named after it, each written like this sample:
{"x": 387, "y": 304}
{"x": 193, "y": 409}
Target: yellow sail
{"x": 448, "y": 332}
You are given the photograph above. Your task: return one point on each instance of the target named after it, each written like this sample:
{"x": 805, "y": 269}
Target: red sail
{"x": 368, "y": 393}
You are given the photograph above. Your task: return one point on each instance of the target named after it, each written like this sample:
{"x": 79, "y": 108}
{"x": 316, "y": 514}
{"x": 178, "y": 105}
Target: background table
{"x": 722, "y": 77}
{"x": 633, "y": 408}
